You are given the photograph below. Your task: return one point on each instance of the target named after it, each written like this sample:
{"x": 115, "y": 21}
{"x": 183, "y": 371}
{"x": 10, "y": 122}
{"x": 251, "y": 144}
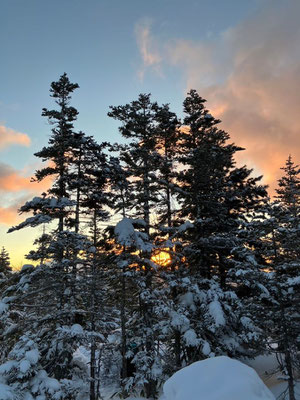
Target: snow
{"x": 3, "y": 307}
{"x": 6, "y": 393}
{"x": 42, "y": 383}
{"x": 184, "y": 227}
{"x": 76, "y": 329}
{"x": 179, "y": 321}
{"x": 190, "y": 338}
{"x": 32, "y": 356}
{"x": 294, "y": 281}
{"x": 235, "y": 381}
{"x": 24, "y": 366}
{"x": 32, "y": 221}
{"x": 27, "y": 268}
{"x": 7, "y": 367}
{"x": 187, "y": 300}
{"x": 206, "y": 350}
{"x": 216, "y": 312}
{"x": 281, "y": 390}
{"x": 267, "y": 368}
{"x": 128, "y": 236}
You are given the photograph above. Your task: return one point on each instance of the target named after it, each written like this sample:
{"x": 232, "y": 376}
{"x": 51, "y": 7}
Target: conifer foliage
{"x": 100, "y": 291}
{"x": 5, "y": 267}
{"x": 281, "y": 250}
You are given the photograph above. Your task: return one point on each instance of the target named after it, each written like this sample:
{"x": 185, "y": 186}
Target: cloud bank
{"x": 250, "y": 76}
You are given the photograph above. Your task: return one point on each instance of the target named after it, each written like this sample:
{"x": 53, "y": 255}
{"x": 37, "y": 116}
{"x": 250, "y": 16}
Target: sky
{"x": 242, "y": 56}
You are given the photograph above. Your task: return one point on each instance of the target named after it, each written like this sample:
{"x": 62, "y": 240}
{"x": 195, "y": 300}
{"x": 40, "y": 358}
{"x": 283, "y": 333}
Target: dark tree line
{"x": 228, "y": 285}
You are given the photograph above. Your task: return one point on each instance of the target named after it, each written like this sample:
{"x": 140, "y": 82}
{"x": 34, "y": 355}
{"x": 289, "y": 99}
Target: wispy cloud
{"x": 10, "y": 137}
{"x": 151, "y": 58}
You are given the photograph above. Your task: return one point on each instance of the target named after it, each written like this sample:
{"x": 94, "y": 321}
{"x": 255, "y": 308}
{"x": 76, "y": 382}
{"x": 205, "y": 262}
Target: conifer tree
{"x": 172, "y": 188}
{"x": 121, "y": 202}
{"x": 281, "y": 250}
{"x": 141, "y": 159}
{"x": 215, "y": 196}
{"x": 166, "y": 145}
{"x": 61, "y": 141}
{"x": 5, "y": 267}
{"x": 90, "y": 181}
{"x": 56, "y": 282}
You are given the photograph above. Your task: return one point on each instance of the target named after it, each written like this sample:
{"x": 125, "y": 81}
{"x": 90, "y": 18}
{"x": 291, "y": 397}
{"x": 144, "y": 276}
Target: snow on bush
{"x": 6, "y": 393}
{"x": 215, "y": 379}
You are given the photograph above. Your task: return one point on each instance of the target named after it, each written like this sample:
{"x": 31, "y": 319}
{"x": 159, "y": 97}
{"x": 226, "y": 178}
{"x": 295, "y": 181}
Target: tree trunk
{"x": 123, "y": 333}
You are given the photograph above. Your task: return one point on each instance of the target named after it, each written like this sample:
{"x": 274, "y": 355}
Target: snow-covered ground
{"x": 218, "y": 378}
{"x": 280, "y": 391}
{"x": 266, "y": 367}
{"x": 221, "y": 378}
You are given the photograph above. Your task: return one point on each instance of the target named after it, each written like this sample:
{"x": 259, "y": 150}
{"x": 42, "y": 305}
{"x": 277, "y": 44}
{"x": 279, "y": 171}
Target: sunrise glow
{"x": 162, "y": 258}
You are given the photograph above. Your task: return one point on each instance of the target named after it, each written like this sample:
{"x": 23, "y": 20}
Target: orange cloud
{"x": 12, "y": 180}
{"x": 250, "y": 76}
{"x": 148, "y": 49}
{"x": 16, "y": 187}
{"x": 258, "y": 102}
{"x": 8, "y": 215}
{"x": 9, "y": 137}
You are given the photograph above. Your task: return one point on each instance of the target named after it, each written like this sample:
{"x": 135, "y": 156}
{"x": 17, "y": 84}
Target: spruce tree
{"x": 167, "y": 146}
{"x": 215, "y": 197}
{"x": 60, "y": 142}
{"x": 281, "y": 249}
{"x": 56, "y": 282}
{"x": 5, "y": 267}
{"x": 141, "y": 159}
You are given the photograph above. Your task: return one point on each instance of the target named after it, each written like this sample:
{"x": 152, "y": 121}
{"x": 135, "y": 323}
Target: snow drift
{"x": 215, "y": 379}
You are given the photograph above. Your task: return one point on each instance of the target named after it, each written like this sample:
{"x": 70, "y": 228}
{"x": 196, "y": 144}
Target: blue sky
{"x": 243, "y": 56}
{"x": 95, "y": 42}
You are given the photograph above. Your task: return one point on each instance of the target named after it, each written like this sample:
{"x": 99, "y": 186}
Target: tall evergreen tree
{"x": 56, "y": 283}
{"x": 215, "y": 196}
{"x": 167, "y": 146}
{"x": 141, "y": 159}
{"x": 60, "y": 142}
{"x": 280, "y": 250}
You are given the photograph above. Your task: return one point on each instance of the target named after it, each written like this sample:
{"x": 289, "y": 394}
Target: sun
{"x": 162, "y": 257}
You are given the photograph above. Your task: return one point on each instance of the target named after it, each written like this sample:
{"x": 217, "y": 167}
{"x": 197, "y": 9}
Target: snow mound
{"x": 215, "y": 379}
{"x": 6, "y": 392}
